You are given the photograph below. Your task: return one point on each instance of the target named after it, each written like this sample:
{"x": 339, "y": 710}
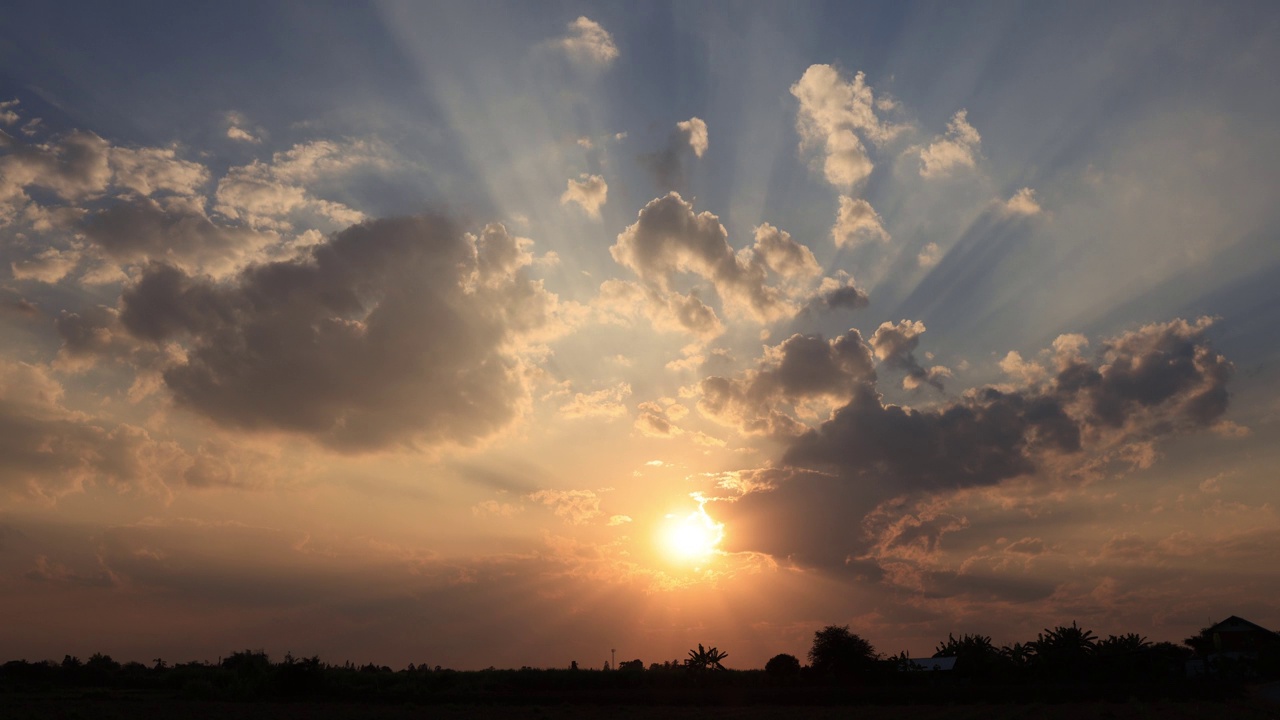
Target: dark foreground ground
{"x": 148, "y": 708}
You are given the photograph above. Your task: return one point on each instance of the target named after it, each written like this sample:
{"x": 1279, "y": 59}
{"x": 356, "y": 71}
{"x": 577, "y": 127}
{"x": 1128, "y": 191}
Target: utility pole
{"x": 613, "y": 658}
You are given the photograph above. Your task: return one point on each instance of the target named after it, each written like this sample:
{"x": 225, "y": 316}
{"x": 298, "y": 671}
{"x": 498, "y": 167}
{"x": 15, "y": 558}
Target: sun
{"x": 693, "y": 537}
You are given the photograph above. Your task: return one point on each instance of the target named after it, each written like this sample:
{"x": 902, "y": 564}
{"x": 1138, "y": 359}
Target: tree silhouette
{"x": 782, "y": 666}
{"x": 705, "y": 659}
{"x": 836, "y": 651}
{"x": 975, "y": 655}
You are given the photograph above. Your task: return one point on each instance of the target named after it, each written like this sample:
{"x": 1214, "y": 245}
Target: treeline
{"x": 1062, "y": 664}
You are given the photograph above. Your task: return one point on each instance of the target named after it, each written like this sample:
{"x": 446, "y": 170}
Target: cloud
{"x": 396, "y": 332}
{"x": 140, "y": 229}
{"x": 48, "y": 451}
{"x": 668, "y": 238}
{"x": 929, "y": 255}
{"x": 838, "y": 116}
{"x": 576, "y": 507}
{"x": 49, "y": 265}
{"x": 801, "y": 368}
{"x": 589, "y": 191}
{"x": 605, "y": 403}
{"x": 655, "y": 420}
{"x": 695, "y": 132}
{"x": 1154, "y": 382}
{"x": 151, "y": 170}
{"x": 621, "y": 301}
{"x": 957, "y": 148}
{"x": 73, "y": 167}
{"x": 1023, "y": 202}
{"x": 267, "y": 195}
{"x": 895, "y": 345}
{"x": 8, "y": 115}
{"x": 589, "y": 44}
{"x": 837, "y": 293}
{"x": 668, "y": 164}
{"x": 857, "y": 222}
{"x": 237, "y": 128}
{"x": 777, "y": 251}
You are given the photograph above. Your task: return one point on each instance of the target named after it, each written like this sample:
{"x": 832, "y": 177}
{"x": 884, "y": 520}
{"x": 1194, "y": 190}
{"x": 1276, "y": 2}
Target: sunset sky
{"x": 504, "y": 334}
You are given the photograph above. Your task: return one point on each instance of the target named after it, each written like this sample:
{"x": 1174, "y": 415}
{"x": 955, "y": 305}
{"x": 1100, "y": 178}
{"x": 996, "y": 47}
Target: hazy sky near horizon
{"x": 510, "y": 333}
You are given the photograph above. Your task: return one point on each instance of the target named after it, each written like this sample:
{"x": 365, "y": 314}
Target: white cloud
{"x": 838, "y": 116}
{"x": 237, "y": 130}
{"x": 264, "y": 195}
{"x": 8, "y": 115}
{"x": 696, "y": 131}
{"x": 929, "y": 255}
{"x": 588, "y": 43}
{"x": 857, "y": 221}
{"x": 150, "y": 170}
{"x": 1023, "y": 202}
{"x": 588, "y": 191}
{"x": 958, "y": 148}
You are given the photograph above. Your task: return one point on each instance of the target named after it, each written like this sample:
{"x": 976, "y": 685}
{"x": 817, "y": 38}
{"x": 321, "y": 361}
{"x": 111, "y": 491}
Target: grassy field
{"x": 69, "y": 708}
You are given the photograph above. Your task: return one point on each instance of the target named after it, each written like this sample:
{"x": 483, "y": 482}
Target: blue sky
{"x": 920, "y": 314}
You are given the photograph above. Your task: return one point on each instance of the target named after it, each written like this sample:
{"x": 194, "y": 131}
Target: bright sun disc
{"x": 694, "y": 537}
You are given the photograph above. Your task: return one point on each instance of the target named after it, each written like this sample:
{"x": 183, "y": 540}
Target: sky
{"x": 517, "y": 334}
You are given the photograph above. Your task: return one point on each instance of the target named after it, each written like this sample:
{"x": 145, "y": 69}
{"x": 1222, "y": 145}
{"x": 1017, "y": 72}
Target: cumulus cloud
{"x": 837, "y": 293}
{"x": 402, "y": 331}
{"x": 776, "y": 250}
{"x": 238, "y": 128}
{"x": 669, "y": 238}
{"x": 895, "y": 345}
{"x": 73, "y": 167}
{"x": 588, "y": 44}
{"x": 956, "y": 149}
{"x": 668, "y": 163}
{"x": 49, "y": 265}
{"x": 694, "y": 131}
{"x": 151, "y": 170}
{"x": 621, "y": 301}
{"x": 1151, "y": 383}
{"x": 800, "y": 369}
{"x": 857, "y": 222}
{"x": 837, "y": 116}
{"x": 653, "y": 419}
{"x": 929, "y": 255}
{"x": 140, "y": 229}
{"x": 589, "y": 191}
{"x": 265, "y": 195}
{"x": 1023, "y": 203}
{"x": 48, "y": 451}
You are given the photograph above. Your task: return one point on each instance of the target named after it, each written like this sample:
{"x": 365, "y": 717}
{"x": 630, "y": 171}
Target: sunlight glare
{"x": 693, "y": 537}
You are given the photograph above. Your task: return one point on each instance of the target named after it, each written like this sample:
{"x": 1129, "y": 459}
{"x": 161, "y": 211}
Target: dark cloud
{"x": 800, "y": 368}
{"x": 48, "y": 451}
{"x": 895, "y": 345}
{"x": 1150, "y": 383}
{"x": 399, "y": 331}
{"x": 180, "y": 234}
{"x": 13, "y": 303}
{"x": 669, "y": 238}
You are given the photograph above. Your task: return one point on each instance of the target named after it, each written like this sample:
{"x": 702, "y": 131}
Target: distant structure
{"x": 1234, "y": 641}
{"x": 940, "y": 664}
